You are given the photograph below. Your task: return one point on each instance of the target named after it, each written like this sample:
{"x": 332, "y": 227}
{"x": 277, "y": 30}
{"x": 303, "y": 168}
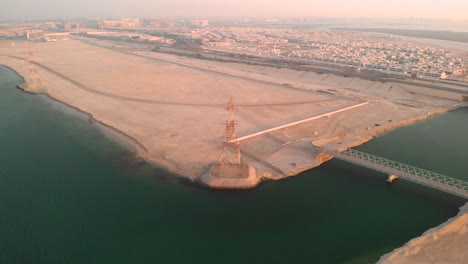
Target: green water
{"x": 70, "y": 195}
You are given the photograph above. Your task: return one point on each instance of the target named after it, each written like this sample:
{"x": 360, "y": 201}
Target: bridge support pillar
{"x": 391, "y": 178}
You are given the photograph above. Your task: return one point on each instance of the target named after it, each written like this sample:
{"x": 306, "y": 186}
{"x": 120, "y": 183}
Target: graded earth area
{"x": 174, "y": 107}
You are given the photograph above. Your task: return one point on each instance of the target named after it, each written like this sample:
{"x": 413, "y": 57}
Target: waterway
{"x": 69, "y": 194}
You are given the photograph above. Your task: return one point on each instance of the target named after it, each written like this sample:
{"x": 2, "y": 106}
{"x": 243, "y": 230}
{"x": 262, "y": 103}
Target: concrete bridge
{"x": 399, "y": 170}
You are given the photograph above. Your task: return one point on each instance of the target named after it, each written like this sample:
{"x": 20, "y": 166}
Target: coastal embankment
{"x": 447, "y": 243}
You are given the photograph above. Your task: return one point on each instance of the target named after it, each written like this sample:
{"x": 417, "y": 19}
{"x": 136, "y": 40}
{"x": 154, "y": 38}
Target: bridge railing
{"x": 418, "y": 175}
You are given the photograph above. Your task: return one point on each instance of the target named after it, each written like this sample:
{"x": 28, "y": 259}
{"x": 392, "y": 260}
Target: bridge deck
{"x": 417, "y": 175}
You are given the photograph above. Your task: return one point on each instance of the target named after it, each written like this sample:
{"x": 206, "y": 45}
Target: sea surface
{"x": 453, "y": 36}
{"x": 69, "y": 194}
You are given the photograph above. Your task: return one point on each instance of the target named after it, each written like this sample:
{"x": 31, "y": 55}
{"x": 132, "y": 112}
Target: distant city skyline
{"x": 52, "y": 9}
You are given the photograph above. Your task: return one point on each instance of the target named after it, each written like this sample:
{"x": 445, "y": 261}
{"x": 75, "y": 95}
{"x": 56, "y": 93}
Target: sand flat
{"x": 175, "y": 112}
{"x": 174, "y": 106}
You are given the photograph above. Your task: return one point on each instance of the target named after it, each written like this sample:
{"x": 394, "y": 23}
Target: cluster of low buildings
{"x": 239, "y": 37}
{"x": 33, "y": 34}
{"x": 367, "y": 51}
{"x": 134, "y": 36}
{"x": 359, "y": 50}
{"x": 11, "y": 33}
{"x": 121, "y": 23}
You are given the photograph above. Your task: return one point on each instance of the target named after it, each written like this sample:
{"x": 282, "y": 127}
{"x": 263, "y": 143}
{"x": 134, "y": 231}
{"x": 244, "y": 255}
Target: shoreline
{"x": 113, "y": 133}
{"x": 142, "y": 150}
{"x": 123, "y": 138}
{"x": 91, "y": 119}
{"x": 172, "y": 129}
{"x": 421, "y": 249}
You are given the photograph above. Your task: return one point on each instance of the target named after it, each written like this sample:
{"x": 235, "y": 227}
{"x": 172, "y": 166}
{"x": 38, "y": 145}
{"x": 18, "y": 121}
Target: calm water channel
{"x": 68, "y": 194}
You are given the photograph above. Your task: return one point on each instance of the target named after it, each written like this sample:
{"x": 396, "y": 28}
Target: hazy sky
{"x": 22, "y": 9}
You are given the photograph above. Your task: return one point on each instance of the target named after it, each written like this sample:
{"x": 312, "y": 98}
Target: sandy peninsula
{"x": 175, "y": 106}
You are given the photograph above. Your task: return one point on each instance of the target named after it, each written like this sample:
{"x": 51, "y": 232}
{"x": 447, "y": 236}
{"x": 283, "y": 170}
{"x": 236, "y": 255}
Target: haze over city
{"x": 43, "y": 9}
{"x": 236, "y": 131}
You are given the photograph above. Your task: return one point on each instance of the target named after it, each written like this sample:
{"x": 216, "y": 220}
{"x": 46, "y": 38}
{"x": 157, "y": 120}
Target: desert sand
{"x": 174, "y": 106}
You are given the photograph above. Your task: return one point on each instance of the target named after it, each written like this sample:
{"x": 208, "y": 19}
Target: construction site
{"x": 224, "y": 125}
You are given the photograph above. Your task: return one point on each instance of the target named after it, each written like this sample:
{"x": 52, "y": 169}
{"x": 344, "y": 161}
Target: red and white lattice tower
{"x": 230, "y": 152}
{"x": 33, "y": 79}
